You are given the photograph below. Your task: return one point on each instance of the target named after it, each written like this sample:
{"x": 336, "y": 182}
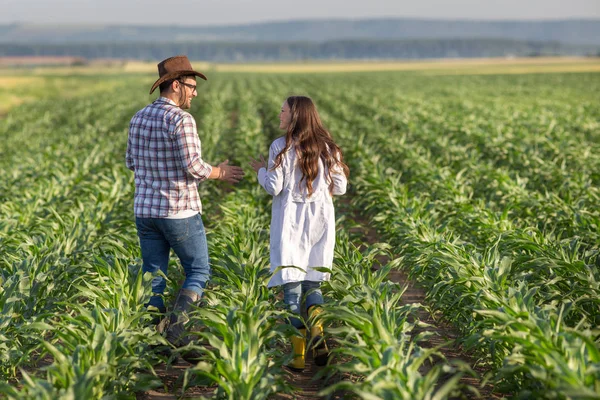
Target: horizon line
{"x": 295, "y": 20}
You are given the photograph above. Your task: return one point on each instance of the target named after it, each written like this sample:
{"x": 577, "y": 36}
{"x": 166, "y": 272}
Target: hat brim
{"x": 174, "y": 75}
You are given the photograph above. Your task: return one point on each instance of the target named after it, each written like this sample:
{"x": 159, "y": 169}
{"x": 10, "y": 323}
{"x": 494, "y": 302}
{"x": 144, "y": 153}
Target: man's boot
{"x": 176, "y": 330}
{"x": 318, "y": 345}
{"x": 159, "y": 321}
{"x": 299, "y": 351}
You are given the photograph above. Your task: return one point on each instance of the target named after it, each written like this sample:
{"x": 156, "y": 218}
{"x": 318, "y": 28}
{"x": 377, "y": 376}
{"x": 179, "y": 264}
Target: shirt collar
{"x": 166, "y": 100}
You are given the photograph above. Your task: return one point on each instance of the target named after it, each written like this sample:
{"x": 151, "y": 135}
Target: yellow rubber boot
{"x": 299, "y": 352}
{"x": 318, "y": 345}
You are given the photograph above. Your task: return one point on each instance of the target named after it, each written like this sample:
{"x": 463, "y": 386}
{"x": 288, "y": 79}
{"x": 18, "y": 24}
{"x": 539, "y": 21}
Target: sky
{"x": 220, "y": 12}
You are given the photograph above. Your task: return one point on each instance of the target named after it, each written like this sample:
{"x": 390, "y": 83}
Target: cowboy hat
{"x": 174, "y": 67}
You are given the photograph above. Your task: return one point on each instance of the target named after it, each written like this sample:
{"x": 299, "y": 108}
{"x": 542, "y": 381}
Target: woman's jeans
{"x": 187, "y": 238}
{"x": 292, "y": 296}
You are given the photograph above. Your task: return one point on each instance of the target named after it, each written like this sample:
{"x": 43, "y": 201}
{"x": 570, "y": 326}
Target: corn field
{"x": 483, "y": 188}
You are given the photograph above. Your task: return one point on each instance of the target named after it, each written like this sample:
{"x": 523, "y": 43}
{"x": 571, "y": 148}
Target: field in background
{"x": 23, "y": 83}
{"x": 468, "y": 66}
{"x": 483, "y": 187}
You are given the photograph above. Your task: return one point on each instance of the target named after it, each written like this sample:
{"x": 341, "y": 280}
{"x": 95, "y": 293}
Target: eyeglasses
{"x": 193, "y": 87}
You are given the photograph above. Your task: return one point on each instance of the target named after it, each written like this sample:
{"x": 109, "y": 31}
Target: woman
{"x": 305, "y": 170}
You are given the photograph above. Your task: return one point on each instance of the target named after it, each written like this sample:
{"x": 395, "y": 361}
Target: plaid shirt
{"x": 163, "y": 150}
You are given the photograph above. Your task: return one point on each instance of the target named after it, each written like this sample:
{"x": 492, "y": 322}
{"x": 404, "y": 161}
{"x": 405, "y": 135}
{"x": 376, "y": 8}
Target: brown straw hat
{"x": 174, "y": 67}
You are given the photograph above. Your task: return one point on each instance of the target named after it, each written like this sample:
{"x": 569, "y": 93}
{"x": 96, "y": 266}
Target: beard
{"x": 184, "y": 102}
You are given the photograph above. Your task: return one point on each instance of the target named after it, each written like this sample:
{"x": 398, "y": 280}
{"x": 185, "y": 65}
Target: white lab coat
{"x": 302, "y": 228}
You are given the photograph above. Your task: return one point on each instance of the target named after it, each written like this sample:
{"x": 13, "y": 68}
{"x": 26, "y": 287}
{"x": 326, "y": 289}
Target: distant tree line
{"x": 280, "y": 51}
{"x": 571, "y": 31}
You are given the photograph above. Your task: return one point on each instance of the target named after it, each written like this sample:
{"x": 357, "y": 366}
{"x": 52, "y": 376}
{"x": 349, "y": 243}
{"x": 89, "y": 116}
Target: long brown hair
{"x": 312, "y": 142}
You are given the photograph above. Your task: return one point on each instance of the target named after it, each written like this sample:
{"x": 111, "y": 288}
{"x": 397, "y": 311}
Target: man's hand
{"x": 229, "y": 173}
{"x": 256, "y": 164}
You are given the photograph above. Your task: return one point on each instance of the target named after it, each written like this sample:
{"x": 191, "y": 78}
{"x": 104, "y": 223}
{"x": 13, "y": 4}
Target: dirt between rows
{"x": 308, "y": 386}
{"x": 445, "y": 336}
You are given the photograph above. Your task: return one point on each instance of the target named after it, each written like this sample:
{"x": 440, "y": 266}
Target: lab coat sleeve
{"x": 340, "y": 182}
{"x": 271, "y": 179}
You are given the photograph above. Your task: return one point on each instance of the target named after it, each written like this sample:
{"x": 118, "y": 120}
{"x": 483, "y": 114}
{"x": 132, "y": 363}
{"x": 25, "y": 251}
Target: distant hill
{"x": 574, "y": 32}
{"x": 291, "y": 51}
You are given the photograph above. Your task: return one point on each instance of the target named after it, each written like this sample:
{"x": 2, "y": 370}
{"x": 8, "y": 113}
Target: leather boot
{"x": 317, "y": 341}
{"x": 176, "y": 330}
{"x": 299, "y": 352}
{"x": 159, "y": 321}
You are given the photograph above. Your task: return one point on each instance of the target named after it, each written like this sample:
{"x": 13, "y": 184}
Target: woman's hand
{"x": 256, "y": 164}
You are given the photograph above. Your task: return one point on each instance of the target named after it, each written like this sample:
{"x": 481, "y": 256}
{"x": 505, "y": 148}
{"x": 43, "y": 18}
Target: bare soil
{"x": 308, "y": 385}
{"x": 444, "y": 334}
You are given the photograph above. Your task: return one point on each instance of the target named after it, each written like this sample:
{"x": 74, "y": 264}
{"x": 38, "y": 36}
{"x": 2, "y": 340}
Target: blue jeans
{"x": 187, "y": 238}
{"x": 292, "y": 296}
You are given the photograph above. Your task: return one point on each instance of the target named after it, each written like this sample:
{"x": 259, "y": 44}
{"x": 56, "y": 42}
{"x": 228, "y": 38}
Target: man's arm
{"x": 189, "y": 149}
{"x": 190, "y": 155}
{"x": 128, "y": 156}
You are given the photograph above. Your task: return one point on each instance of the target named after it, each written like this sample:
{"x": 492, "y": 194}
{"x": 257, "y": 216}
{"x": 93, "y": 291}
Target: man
{"x": 163, "y": 150}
